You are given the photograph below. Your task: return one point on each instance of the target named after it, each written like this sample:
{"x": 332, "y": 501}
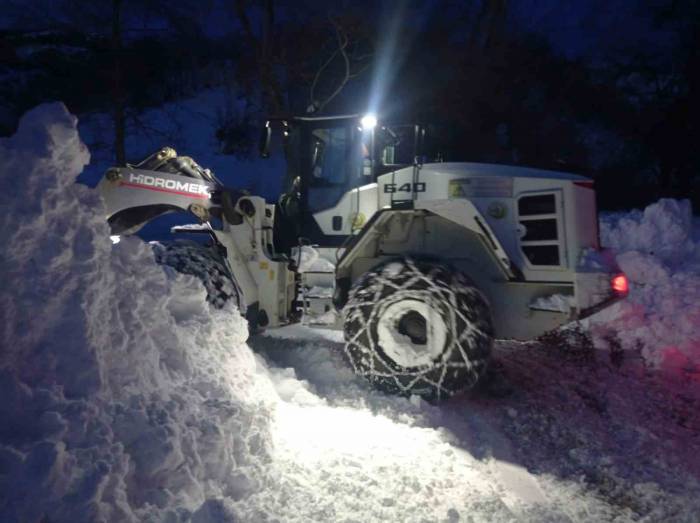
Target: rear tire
{"x": 416, "y": 327}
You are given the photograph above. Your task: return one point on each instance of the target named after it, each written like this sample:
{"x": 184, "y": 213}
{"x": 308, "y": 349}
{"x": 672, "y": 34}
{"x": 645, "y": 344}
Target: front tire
{"x": 416, "y": 327}
{"x": 203, "y": 262}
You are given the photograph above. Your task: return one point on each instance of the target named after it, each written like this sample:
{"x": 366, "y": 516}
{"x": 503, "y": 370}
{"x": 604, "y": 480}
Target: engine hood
{"x": 468, "y": 169}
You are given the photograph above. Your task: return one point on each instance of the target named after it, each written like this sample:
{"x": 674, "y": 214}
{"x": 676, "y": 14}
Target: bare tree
{"x": 490, "y": 23}
{"x": 265, "y": 50}
{"x": 118, "y": 95}
{"x": 293, "y": 58}
{"x": 353, "y": 62}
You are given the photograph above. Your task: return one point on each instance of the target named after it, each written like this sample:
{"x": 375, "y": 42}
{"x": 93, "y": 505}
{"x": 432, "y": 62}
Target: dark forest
{"x": 492, "y": 87}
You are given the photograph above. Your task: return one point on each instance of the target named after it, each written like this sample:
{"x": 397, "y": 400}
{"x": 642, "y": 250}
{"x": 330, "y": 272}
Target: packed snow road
{"x": 558, "y": 434}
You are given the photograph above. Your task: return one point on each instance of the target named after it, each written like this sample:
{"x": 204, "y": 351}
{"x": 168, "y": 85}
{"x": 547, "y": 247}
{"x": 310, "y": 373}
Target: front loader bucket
{"x": 133, "y": 197}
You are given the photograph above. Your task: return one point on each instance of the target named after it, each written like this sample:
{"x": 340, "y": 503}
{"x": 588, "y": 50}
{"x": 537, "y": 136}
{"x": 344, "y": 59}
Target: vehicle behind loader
{"x": 421, "y": 264}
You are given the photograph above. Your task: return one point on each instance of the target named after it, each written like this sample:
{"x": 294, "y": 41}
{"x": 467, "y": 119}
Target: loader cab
{"x": 328, "y": 156}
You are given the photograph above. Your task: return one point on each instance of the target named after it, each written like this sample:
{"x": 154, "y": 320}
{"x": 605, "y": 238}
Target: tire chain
{"x": 459, "y": 290}
{"x": 202, "y": 262}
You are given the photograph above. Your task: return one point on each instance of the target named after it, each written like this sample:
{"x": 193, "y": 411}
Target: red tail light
{"x": 620, "y": 284}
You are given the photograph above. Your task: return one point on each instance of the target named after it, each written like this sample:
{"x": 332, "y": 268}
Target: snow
{"x": 319, "y": 292}
{"x": 554, "y": 302}
{"x": 670, "y": 220}
{"x": 194, "y": 227}
{"x": 571, "y": 442}
{"x": 592, "y": 260}
{"x": 310, "y": 260}
{"x": 125, "y": 397}
{"x": 659, "y": 251}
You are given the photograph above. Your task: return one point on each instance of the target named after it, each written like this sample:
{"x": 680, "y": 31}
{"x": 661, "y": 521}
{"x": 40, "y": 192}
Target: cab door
{"x": 336, "y": 159}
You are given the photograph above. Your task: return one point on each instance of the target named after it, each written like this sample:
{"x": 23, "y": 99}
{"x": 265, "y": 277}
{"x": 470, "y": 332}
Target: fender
{"x": 464, "y": 213}
{"x": 460, "y": 212}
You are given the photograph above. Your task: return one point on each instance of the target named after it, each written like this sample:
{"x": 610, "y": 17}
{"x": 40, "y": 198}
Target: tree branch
{"x": 342, "y": 45}
{"x": 317, "y": 77}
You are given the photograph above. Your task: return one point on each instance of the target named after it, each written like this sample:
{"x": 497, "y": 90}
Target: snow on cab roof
{"x": 492, "y": 169}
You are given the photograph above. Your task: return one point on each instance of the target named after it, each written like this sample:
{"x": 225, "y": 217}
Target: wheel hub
{"x": 411, "y": 333}
{"x": 413, "y": 325}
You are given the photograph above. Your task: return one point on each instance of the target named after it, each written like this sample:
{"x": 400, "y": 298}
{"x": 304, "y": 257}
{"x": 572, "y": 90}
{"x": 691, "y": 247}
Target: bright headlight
{"x": 368, "y": 122}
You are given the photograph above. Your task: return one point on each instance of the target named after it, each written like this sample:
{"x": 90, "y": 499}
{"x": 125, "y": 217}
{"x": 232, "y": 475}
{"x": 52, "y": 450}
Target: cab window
{"x": 329, "y": 156}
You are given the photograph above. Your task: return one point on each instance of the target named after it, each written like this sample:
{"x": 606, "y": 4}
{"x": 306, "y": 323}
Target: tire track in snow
{"x": 519, "y": 486}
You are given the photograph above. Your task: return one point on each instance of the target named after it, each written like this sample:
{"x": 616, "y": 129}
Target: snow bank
{"x": 123, "y": 397}
{"x": 659, "y": 250}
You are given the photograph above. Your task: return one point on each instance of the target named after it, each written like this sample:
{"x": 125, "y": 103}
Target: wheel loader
{"x": 421, "y": 263}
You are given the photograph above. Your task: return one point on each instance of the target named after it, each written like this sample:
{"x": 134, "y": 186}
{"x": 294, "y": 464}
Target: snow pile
{"x": 124, "y": 396}
{"x": 663, "y": 230}
{"x": 659, "y": 250}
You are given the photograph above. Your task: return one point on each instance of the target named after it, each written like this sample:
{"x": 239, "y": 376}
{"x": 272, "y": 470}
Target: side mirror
{"x": 265, "y": 137}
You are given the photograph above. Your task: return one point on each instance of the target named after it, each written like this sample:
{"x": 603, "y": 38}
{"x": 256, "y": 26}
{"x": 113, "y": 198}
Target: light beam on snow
{"x": 317, "y": 432}
{"x": 388, "y": 466}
